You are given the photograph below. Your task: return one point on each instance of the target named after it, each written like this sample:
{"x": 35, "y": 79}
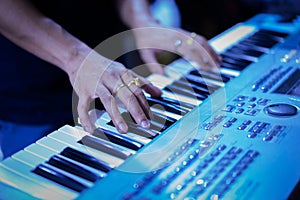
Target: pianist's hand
{"x": 191, "y": 46}
{"x": 99, "y": 77}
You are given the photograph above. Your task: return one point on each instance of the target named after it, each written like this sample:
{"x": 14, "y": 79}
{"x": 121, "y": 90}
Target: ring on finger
{"x": 136, "y": 81}
{"x": 118, "y": 88}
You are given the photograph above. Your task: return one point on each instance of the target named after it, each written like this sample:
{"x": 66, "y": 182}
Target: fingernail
{"x": 122, "y": 127}
{"x": 145, "y": 124}
{"x": 86, "y": 128}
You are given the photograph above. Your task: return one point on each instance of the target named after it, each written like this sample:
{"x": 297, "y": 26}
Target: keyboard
{"x": 227, "y": 135}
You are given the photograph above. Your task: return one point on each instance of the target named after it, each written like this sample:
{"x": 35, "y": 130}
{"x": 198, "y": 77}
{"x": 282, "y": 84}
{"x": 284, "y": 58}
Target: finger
{"x": 134, "y": 83}
{"x": 135, "y": 101}
{"x": 83, "y": 108}
{"x": 148, "y": 87}
{"x": 216, "y": 57}
{"x": 111, "y": 108}
{"x": 149, "y": 58}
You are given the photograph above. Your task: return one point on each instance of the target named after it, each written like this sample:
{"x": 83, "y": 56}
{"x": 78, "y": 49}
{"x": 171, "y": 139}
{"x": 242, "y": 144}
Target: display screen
{"x": 291, "y": 86}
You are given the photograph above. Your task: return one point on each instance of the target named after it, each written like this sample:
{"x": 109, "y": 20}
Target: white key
{"x": 25, "y": 171}
{"x": 70, "y": 141}
{"x": 32, "y": 187}
{"x": 46, "y": 154}
{"x": 33, "y": 161}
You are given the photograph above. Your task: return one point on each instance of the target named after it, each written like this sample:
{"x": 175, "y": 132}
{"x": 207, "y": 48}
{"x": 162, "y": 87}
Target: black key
{"x": 173, "y": 108}
{"x": 270, "y": 36}
{"x": 85, "y": 159}
{"x": 72, "y": 168}
{"x": 236, "y": 61}
{"x": 183, "y": 104}
{"x": 117, "y": 139}
{"x": 191, "y": 86}
{"x": 256, "y": 47}
{"x": 248, "y": 52}
{"x": 252, "y": 47}
{"x": 239, "y": 56}
{"x": 231, "y": 66}
{"x": 185, "y": 92}
{"x": 199, "y": 82}
{"x": 136, "y": 129}
{"x": 274, "y": 33}
{"x": 210, "y": 75}
{"x": 154, "y": 125}
{"x": 105, "y": 147}
{"x": 260, "y": 42}
{"x": 59, "y": 178}
{"x": 163, "y": 119}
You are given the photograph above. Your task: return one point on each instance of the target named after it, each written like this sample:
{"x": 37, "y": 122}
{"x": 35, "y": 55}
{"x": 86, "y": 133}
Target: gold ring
{"x": 192, "y": 38}
{"x": 135, "y": 81}
{"x": 118, "y": 88}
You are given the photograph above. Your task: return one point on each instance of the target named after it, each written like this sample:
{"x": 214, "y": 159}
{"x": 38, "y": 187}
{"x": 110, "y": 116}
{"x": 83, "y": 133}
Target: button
{"x": 239, "y": 111}
{"x": 247, "y": 122}
{"x": 242, "y": 127}
{"x": 281, "y": 109}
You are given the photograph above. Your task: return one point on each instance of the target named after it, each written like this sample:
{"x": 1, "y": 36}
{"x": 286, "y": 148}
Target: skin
{"x": 91, "y": 74}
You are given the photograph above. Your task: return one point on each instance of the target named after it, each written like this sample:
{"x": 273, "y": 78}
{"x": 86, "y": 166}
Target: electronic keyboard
{"x": 227, "y": 135}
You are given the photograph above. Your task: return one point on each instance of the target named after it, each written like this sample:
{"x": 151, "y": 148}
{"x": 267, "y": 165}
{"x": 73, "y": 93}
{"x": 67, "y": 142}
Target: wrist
{"x": 76, "y": 56}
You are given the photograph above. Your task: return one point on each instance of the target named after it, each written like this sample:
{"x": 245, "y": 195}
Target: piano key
{"x": 136, "y": 129}
{"x": 241, "y": 50}
{"x": 210, "y": 75}
{"x": 67, "y": 169}
{"x": 24, "y": 171}
{"x": 117, "y": 139}
{"x": 34, "y": 188}
{"x": 186, "y": 84}
{"x": 45, "y": 154}
{"x": 257, "y": 47}
{"x": 159, "y": 104}
{"x": 161, "y": 82}
{"x": 239, "y": 56}
{"x": 86, "y": 159}
{"x": 59, "y": 146}
{"x": 102, "y": 123}
{"x": 185, "y": 92}
{"x": 52, "y": 174}
{"x": 154, "y": 125}
{"x": 183, "y": 104}
{"x": 104, "y": 146}
{"x": 201, "y": 82}
{"x": 70, "y": 167}
{"x": 231, "y": 66}
{"x": 163, "y": 119}
{"x": 237, "y": 61}
{"x": 252, "y": 47}
{"x": 73, "y": 141}
{"x": 267, "y": 35}
{"x": 273, "y": 33}
{"x": 260, "y": 42}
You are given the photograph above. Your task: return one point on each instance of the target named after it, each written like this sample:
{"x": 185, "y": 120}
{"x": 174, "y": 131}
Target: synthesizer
{"x": 227, "y": 135}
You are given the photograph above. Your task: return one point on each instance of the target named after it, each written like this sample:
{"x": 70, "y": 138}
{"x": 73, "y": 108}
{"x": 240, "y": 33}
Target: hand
{"x": 193, "y": 47}
{"x": 99, "y": 77}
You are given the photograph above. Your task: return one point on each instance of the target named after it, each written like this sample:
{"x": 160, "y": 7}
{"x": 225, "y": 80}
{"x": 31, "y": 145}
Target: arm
{"x": 150, "y": 34}
{"x": 91, "y": 74}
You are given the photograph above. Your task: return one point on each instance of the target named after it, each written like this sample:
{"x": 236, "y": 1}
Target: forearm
{"x": 136, "y": 13}
{"x": 24, "y": 25}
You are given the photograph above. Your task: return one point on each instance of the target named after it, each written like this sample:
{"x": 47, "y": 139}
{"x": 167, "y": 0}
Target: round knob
{"x": 281, "y": 110}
